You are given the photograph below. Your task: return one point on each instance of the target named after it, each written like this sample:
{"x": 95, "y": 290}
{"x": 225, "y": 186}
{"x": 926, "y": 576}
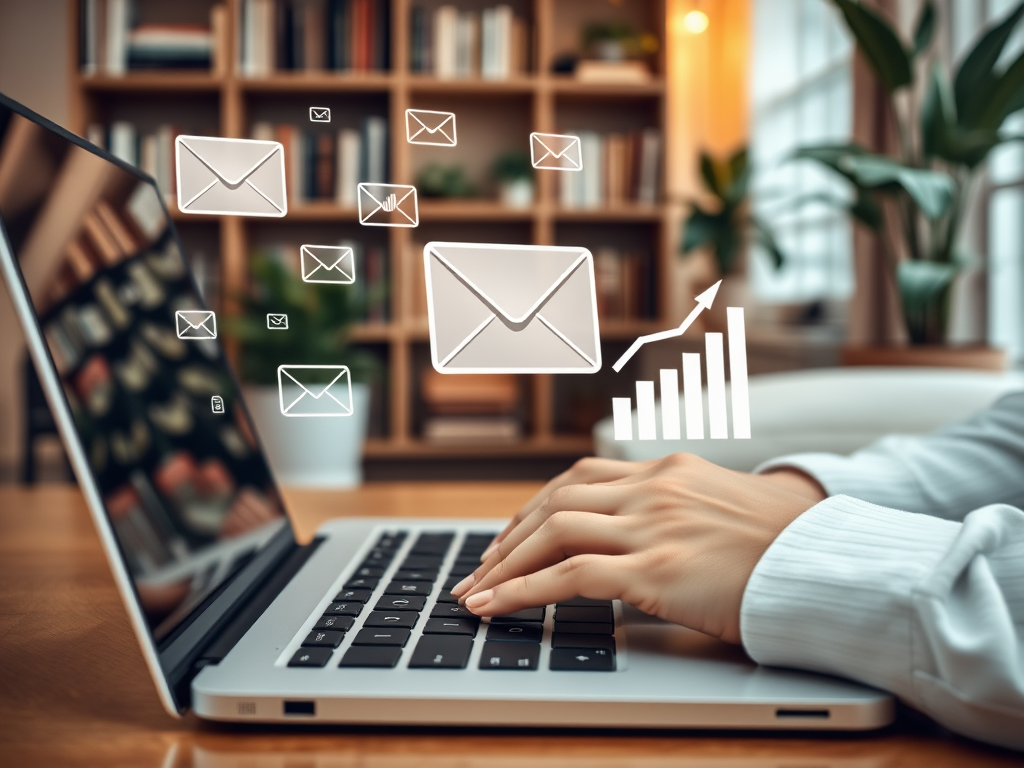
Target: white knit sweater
{"x": 910, "y": 576}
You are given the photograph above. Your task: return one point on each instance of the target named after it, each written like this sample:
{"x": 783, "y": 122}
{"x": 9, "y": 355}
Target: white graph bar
{"x": 738, "y": 373}
{"x": 718, "y": 420}
{"x": 622, "y": 416}
{"x": 693, "y": 398}
{"x": 646, "y": 425}
{"x": 669, "y": 404}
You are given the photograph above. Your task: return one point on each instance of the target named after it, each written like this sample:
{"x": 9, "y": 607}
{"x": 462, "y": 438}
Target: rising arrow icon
{"x": 704, "y": 301}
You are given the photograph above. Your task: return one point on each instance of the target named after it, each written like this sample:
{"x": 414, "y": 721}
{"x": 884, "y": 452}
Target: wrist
{"x": 796, "y": 481}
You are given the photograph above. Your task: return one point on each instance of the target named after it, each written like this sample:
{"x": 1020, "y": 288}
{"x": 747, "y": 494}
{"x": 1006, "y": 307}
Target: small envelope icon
{"x": 328, "y": 264}
{"x": 388, "y": 205}
{"x": 233, "y": 177}
{"x": 511, "y": 308}
{"x": 314, "y": 390}
{"x": 425, "y": 126}
{"x": 195, "y": 324}
{"x": 554, "y": 152}
{"x": 320, "y": 114}
{"x": 277, "y": 322}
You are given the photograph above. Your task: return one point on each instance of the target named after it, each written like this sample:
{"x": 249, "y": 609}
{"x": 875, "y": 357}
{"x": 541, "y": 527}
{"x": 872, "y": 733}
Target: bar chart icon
{"x": 693, "y": 393}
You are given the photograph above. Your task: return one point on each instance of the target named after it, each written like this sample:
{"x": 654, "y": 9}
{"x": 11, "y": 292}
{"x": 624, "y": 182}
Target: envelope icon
{"x": 425, "y": 126}
{"x": 511, "y": 308}
{"x": 328, "y": 264}
{"x": 314, "y": 390}
{"x": 233, "y": 177}
{"x": 554, "y": 152}
{"x": 195, "y": 324}
{"x": 277, "y": 322}
{"x": 388, "y": 205}
{"x": 320, "y": 114}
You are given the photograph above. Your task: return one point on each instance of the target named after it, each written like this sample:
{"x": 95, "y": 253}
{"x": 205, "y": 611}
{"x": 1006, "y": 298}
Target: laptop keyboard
{"x": 370, "y": 621}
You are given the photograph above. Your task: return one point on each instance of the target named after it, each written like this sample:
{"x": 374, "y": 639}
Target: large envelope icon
{"x": 195, "y": 324}
{"x": 425, "y": 126}
{"x": 234, "y": 177}
{"x": 388, "y": 205}
{"x": 315, "y": 390}
{"x": 511, "y": 308}
{"x": 328, "y": 264}
{"x": 554, "y": 152}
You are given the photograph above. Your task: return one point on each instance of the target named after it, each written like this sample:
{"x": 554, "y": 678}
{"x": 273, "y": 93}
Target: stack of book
{"x": 617, "y": 168}
{"x": 468, "y": 409}
{"x": 328, "y": 166}
{"x": 110, "y": 45}
{"x": 492, "y": 43}
{"x": 153, "y": 152}
{"x": 312, "y": 35}
{"x": 624, "y": 284}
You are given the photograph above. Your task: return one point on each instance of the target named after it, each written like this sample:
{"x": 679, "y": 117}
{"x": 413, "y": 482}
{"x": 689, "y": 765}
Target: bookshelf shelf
{"x": 320, "y": 212}
{"x": 472, "y": 210}
{"x": 622, "y": 213}
{"x": 430, "y": 84}
{"x": 319, "y": 82}
{"x": 568, "y": 86}
{"x": 141, "y": 82}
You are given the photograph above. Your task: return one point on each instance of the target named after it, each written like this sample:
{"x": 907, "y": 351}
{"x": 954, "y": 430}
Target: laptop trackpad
{"x": 648, "y": 634}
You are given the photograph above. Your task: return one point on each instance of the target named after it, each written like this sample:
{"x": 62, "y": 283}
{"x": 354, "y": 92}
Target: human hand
{"x": 678, "y": 539}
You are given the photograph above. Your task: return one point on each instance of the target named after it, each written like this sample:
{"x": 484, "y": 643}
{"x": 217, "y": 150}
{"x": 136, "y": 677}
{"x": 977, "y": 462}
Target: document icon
{"x": 388, "y": 205}
{"x": 511, "y": 308}
{"x": 425, "y": 126}
{"x": 195, "y": 324}
{"x": 554, "y": 152}
{"x": 320, "y": 114}
{"x": 277, "y": 322}
{"x": 328, "y": 264}
{"x": 234, "y": 177}
{"x": 315, "y": 390}
{"x": 217, "y": 404}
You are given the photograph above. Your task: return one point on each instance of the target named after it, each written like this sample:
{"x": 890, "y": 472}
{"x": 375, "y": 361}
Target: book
{"x": 124, "y": 141}
{"x": 347, "y": 172}
{"x": 181, "y": 46}
{"x": 490, "y": 43}
{"x": 599, "y": 71}
{"x": 469, "y": 395}
{"x": 455, "y": 430}
{"x": 117, "y": 18}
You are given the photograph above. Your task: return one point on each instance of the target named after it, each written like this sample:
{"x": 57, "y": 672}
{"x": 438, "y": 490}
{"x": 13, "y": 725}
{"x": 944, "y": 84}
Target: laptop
{"x": 237, "y": 621}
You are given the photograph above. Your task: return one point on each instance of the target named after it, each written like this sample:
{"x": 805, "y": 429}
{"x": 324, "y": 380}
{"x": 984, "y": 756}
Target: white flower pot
{"x": 518, "y": 193}
{"x": 311, "y": 452}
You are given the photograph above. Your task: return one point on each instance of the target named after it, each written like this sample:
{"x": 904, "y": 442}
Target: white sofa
{"x": 829, "y": 409}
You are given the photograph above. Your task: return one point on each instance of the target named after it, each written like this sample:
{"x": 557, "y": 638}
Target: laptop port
{"x": 307, "y": 708}
{"x": 811, "y": 714}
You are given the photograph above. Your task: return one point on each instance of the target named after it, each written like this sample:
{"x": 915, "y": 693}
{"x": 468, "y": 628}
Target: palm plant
{"x": 944, "y": 136}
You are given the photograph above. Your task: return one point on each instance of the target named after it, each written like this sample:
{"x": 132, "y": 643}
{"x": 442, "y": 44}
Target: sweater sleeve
{"x": 929, "y": 609}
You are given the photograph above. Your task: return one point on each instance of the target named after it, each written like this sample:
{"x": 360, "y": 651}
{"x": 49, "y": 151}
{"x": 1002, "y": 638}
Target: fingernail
{"x": 463, "y": 585}
{"x": 488, "y": 552}
{"x": 480, "y": 599}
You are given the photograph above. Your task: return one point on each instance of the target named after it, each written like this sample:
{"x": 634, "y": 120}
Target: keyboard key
{"x": 381, "y": 636}
{"x": 586, "y": 602}
{"x": 525, "y": 633}
{"x": 408, "y": 588}
{"x": 585, "y": 628}
{"x": 526, "y": 614}
{"x": 445, "y": 611}
{"x": 421, "y": 562}
{"x": 323, "y": 638}
{"x": 337, "y": 623}
{"x": 362, "y": 582}
{"x": 390, "y": 541}
{"x": 441, "y": 652}
{"x": 352, "y": 596}
{"x": 344, "y": 609}
{"x": 463, "y": 570}
{"x": 446, "y": 596}
{"x": 572, "y": 640}
{"x": 586, "y": 614}
{"x": 311, "y": 657}
{"x": 379, "y": 557}
{"x": 433, "y": 543}
{"x": 370, "y": 571}
{"x": 451, "y": 627}
{"x": 473, "y": 560}
{"x": 405, "y": 619}
{"x": 371, "y": 656}
{"x": 451, "y": 581}
{"x": 423, "y": 574}
{"x": 479, "y": 541}
{"x": 395, "y": 603}
{"x": 509, "y": 655}
{"x": 582, "y": 659}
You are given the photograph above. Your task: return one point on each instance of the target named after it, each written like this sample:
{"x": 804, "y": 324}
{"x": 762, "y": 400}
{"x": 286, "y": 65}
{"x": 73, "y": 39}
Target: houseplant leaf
{"x": 879, "y": 43}
{"x": 938, "y": 112}
{"x": 739, "y": 178}
{"x": 975, "y": 73}
{"x": 709, "y": 173}
{"x": 1005, "y": 95}
{"x": 763, "y": 235}
{"x": 831, "y": 156}
{"x": 925, "y": 30}
{"x": 931, "y": 190}
{"x": 700, "y": 229}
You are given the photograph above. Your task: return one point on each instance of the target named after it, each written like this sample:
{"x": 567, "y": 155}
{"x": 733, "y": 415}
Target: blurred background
{"x": 865, "y": 210}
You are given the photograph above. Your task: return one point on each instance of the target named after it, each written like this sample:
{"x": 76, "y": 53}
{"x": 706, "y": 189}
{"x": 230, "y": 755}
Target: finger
{"x": 600, "y": 577}
{"x": 564, "y": 535}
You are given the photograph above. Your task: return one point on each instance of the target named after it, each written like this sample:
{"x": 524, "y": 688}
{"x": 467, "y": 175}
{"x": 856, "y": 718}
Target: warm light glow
{"x": 695, "y": 22}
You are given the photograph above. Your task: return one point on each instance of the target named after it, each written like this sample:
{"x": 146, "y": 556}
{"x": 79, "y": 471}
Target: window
{"x": 801, "y": 93}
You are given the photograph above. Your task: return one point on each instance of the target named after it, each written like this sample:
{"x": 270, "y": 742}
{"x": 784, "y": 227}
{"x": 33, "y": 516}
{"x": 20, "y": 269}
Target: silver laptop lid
{"x": 150, "y": 413}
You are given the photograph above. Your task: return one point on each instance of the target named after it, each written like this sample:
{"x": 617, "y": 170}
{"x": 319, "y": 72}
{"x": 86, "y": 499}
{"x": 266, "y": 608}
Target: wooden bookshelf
{"x": 231, "y": 97}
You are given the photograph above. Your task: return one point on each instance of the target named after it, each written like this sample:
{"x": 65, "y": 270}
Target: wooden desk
{"x": 74, "y": 689}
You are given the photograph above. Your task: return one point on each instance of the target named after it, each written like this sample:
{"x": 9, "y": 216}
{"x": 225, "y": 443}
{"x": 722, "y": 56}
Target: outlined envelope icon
{"x": 426, "y": 126}
{"x": 388, "y": 205}
{"x": 277, "y": 321}
{"x": 232, "y": 177}
{"x": 314, "y": 390}
{"x": 320, "y": 114}
{"x": 328, "y": 264}
{"x": 193, "y": 324}
{"x": 511, "y": 308}
{"x": 555, "y": 152}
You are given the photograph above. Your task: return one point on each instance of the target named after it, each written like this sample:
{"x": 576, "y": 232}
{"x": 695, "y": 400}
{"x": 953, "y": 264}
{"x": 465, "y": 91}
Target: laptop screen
{"x": 157, "y": 412}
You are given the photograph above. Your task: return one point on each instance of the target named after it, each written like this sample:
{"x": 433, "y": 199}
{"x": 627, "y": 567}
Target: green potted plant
{"x": 915, "y": 200}
{"x": 513, "y": 174}
{"x": 302, "y": 451}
